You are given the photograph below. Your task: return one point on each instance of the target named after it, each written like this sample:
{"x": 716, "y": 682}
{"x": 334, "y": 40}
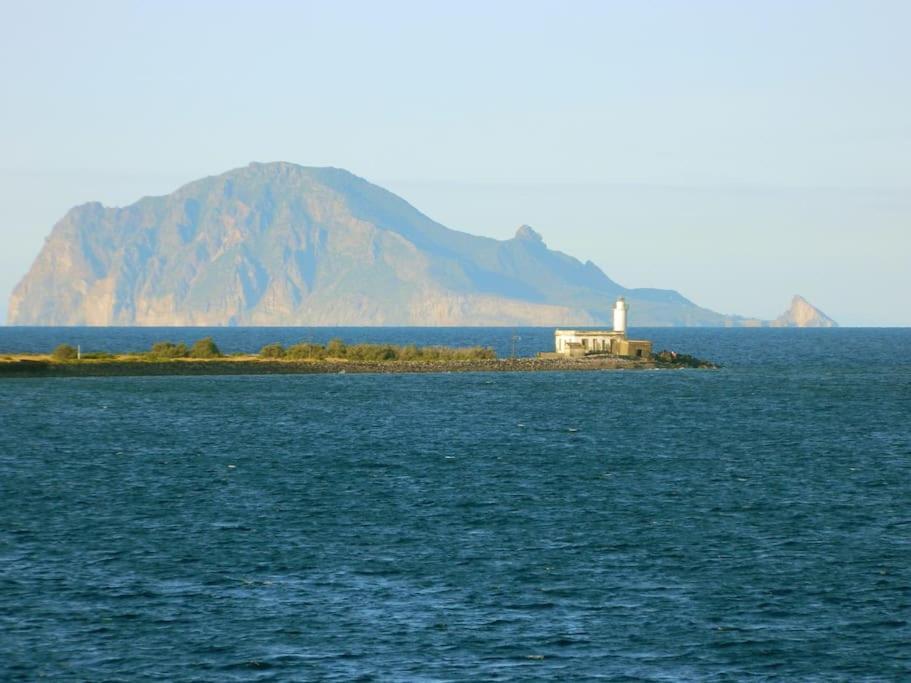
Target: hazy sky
{"x": 739, "y": 152}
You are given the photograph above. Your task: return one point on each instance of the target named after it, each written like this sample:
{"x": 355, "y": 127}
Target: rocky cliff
{"x": 803, "y": 314}
{"x": 281, "y": 244}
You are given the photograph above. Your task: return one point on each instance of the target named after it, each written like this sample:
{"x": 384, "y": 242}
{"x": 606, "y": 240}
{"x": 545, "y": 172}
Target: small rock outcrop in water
{"x": 682, "y": 360}
{"x": 803, "y": 314}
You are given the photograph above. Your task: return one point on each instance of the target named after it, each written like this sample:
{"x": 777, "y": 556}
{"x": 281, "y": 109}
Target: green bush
{"x": 305, "y": 350}
{"x": 409, "y": 352}
{"x": 336, "y": 348}
{"x": 375, "y": 352}
{"x": 371, "y": 352}
{"x": 205, "y": 348}
{"x": 165, "y": 349}
{"x": 64, "y": 352}
{"x": 272, "y": 351}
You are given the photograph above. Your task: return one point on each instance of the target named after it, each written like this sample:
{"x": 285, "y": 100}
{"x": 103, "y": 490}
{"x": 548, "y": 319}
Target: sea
{"x": 751, "y": 523}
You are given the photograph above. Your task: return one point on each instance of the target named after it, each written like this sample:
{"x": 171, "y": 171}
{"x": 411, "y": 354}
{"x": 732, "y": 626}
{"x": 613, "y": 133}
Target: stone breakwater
{"x": 225, "y": 366}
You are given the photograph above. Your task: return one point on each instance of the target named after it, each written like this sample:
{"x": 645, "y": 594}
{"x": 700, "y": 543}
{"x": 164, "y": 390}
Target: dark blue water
{"x": 752, "y": 523}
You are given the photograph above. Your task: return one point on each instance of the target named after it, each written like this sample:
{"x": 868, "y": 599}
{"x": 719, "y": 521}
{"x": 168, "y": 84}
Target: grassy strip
{"x": 375, "y": 352}
{"x": 206, "y": 349}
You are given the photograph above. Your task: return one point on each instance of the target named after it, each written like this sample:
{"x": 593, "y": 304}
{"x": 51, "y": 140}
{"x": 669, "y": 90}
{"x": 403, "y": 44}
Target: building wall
{"x": 589, "y": 340}
{"x": 633, "y": 348}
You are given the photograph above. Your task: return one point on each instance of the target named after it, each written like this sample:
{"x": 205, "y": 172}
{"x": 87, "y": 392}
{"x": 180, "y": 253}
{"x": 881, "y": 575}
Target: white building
{"x": 612, "y": 342}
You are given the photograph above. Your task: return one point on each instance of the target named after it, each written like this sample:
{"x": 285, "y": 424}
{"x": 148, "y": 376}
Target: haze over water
{"x": 750, "y": 523}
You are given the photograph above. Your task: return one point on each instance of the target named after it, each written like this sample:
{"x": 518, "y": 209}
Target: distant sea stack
{"x": 803, "y": 314}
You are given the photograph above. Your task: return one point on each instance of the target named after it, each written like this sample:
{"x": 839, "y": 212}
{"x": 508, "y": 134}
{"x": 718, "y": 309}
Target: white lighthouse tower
{"x": 620, "y": 309}
{"x": 583, "y": 343}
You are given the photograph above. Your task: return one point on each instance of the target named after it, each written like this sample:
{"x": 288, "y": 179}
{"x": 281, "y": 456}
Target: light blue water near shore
{"x": 751, "y": 523}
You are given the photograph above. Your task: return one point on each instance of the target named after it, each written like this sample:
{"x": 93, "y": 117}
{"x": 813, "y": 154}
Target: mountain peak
{"x": 526, "y": 232}
{"x": 278, "y": 243}
{"x": 803, "y": 314}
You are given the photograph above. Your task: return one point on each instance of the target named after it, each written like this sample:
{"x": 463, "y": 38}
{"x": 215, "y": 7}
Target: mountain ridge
{"x": 282, "y": 244}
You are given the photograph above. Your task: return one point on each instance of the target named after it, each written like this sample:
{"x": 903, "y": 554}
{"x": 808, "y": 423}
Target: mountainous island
{"x": 281, "y": 244}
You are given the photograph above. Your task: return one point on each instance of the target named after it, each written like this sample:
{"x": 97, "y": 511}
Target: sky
{"x": 738, "y": 152}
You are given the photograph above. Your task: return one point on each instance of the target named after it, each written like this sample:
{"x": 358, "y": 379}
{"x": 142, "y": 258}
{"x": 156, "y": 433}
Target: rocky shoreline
{"x": 45, "y": 367}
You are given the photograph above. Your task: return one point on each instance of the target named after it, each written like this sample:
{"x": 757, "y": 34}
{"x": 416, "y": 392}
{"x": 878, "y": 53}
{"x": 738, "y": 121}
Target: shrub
{"x": 275, "y": 350}
{"x": 371, "y": 352}
{"x": 205, "y": 348}
{"x": 430, "y": 353}
{"x": 390, "y": 352}
{"x": 305, "y": 350}
{"x": 64, "y": 352}
{"x": 375, "y": 352}
{"x": 165, "y": 349}
{"x": 409, "y": 352}
{"x": 336, "y": 348}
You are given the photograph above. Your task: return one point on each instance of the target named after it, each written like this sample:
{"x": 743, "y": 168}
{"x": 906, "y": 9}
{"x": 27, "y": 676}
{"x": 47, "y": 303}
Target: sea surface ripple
{"x": 750, "y": 523}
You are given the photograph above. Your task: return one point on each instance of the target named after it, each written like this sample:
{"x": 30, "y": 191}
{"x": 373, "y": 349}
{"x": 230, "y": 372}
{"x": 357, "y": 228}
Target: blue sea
{"x": 747, "y": 524}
